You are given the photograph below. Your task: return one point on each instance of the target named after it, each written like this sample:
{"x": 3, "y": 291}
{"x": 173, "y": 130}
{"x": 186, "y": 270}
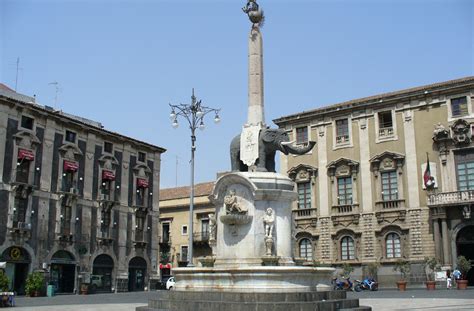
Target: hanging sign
{"x": 70, "y": 166}
{"x": 25, "y": 154}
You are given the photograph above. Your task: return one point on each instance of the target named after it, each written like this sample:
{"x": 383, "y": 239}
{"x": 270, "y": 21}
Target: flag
{"x": 427, "y": 178}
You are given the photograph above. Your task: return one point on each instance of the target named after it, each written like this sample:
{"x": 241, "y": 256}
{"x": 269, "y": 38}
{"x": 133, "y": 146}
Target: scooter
{"x": 367, "y": 284}
{"x": 344, "y": 284}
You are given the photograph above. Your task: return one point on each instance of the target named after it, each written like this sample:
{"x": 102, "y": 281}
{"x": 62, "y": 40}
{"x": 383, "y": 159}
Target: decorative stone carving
{"x": 212, "y": 227}
{"x": 26, "y": 139}
{"x": 441, "y": 138}
{"x": 387, "y": 161}
{"x": 269, "y": 221}
{"x": 232, "y": 205}
{"x": 466, "y": 212}
{"x": 343, "y": 167}
{"x": 268, "y": 245}
{"x": 461, "y": 132}
{"x": 303, "y": 173}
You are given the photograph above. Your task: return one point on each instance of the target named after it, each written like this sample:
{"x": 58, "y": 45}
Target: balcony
{"x": 386, "y": 132}
{"x": 345, "y": 209}
{"x": 104, "y": 237}
{"x": 201, "y": 238}
{"x": 304, "y": 213}
{"x": 389, "y": 204}
{"x": 451, "y": 198}
{"x": 139, "y": 241}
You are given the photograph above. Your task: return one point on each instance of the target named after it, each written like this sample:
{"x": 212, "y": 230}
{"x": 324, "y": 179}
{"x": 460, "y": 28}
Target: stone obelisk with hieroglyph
{"x": 256, "y": 117}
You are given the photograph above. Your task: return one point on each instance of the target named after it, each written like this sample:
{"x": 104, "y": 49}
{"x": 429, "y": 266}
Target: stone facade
{"x": 362, "y": 196}
{"x": 77, "y": 201}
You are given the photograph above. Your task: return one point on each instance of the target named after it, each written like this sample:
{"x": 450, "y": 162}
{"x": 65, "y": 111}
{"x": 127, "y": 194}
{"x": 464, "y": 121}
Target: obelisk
{"x": 255, "y": 66}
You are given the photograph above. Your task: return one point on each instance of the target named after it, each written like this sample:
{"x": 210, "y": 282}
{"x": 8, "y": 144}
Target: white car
{"x": 170, "y": 283}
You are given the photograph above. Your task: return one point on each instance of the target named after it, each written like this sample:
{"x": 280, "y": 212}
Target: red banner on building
{"x": 142, "y": 183}
{"x": 25, "y": 154}
{"x": 108, "y": 175}
{"x": 167, "y": 266}
{"x": 70, "y": 166}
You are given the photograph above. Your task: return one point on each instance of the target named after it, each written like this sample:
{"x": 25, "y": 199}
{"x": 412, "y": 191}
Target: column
{"x": 324, "y": 210}
{"x": 255, "y": 109}
{"x": 365, "y": 173}
{"x": 437, "y": 239}
{"x": 411, "y": 163}
{"x": 444, "y": 232}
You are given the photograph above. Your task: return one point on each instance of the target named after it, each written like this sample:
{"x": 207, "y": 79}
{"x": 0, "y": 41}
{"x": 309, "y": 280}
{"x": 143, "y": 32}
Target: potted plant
{"x": 464, "y": 266}
{"x": 34, "y": 284}
{"x": 431, "y": 265}
{"x": 346, "y": 270}
{"x": 372, "y": 269}
{"x": 402, "y": 266}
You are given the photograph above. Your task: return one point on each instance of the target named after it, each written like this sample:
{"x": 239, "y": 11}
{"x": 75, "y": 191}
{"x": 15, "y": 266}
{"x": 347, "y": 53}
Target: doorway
{"x": 101, "y": 278}
{"x": 136, "y": 274}
{"x": 18, "y": 265}
{"x": 63, "y": 272}
{"x": 465, "y": 247}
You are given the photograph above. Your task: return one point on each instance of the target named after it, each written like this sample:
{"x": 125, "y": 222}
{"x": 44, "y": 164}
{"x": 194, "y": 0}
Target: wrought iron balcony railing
{"x": 451, "y": 198}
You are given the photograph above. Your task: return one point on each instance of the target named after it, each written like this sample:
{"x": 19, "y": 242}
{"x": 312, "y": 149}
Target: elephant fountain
{"x": 269, "y": 141}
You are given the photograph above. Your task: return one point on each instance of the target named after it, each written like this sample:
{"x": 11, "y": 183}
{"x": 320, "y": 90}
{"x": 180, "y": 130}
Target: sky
{"x": 122, "y": 62}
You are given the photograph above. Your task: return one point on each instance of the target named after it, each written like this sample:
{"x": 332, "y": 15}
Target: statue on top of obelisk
{"x": 254, "y": 149}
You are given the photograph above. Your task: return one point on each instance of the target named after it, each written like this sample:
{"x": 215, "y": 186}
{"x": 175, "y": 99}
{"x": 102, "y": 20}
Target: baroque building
{"x": 174, "y": 221}
{"x": 77, "y": 201}
{"x": 363, "y": 196}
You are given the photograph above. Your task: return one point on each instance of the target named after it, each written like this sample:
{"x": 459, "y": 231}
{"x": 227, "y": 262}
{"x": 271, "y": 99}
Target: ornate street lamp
{"x": 194, "y": 114}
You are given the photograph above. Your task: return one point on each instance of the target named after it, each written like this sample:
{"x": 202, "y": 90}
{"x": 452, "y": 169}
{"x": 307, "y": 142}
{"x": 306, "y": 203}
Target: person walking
{"x": 449, "y": 281}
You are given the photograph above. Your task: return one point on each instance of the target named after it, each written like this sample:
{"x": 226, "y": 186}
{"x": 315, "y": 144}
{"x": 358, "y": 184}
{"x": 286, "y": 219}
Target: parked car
{"x": 96, "y": 282}
{"x": 170, "y": 283}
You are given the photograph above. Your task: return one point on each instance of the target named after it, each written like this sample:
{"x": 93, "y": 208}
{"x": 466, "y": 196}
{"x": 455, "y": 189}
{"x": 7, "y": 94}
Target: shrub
{"x": 34, "y": 283}
{"x": 402, "y": 266}
{"x": 4, "y": 282}
{"x": 464, "y": 266}
{"x": 372, "y": 269}
{"x": 431, "y": 265}
{"x": 346, "y": 270}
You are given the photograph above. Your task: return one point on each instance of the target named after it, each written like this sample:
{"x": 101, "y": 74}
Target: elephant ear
{"x": 269, "y": 136}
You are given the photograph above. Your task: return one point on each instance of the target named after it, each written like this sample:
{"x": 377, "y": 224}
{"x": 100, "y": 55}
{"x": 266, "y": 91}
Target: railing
{"x": 342, "y": 139}
{"x": 454, "y": 197}
{"x": 165, "y": 239}
{"x": 22, "y": 226}
{"x": 345, "y": 209}
{"x": 138, "y": 235}
{"x": 201, "y": 236}
{"x": 391, "y": 204}
{"x": 304, "y": 213}
{"x": 385, "y": 131}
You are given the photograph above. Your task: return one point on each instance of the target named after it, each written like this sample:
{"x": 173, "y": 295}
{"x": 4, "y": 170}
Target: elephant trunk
{"x": 290, "y": 147}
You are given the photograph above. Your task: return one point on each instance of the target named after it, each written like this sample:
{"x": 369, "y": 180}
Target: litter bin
{"x": 50, "y": 291}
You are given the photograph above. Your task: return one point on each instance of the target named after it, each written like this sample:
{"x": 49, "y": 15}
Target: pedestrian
{"x": 448, "y": 279}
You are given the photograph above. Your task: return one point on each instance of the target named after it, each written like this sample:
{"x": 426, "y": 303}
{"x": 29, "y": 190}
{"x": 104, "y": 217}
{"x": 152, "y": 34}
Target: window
{"x": 71, "y": 137}
{"x": 19, "y": 211}
{"x": 301, "y": 135}
{"x": 389, "y": 186}
{"x": 66, "y": 214}
{"x": 392, "y": 244}
{"x": 344, "y": 191}
{"x": 184, "y": 253}
{"x": 205, "y": 229}
{"x": 347, "y": 248}
{"x": 27, "y": 122}
{"x": 23, "y": 171}
{"x": 385, "y": 124}
{"x": 459, "y": 107}
{"x": 106, "y": 189}
{"x": 306, "y": 250}
{"x": 304, "y": 195}
{"x": 139, "y": 225}
{"x": 142, "y": 157}
{"x": 342, "y": 131}
{"x": 140, "y": 199}
{"x": 68, "y": 181}
{"x": 184, "y": 230}
{"x": 108, "y": 147}
{"x": 465, "y": 172}
{"x": 105, "y": 221}
{"x": 165, "y": 231}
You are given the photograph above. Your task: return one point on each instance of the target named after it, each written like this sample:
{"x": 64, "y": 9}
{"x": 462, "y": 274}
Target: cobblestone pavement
{"x": 383, "y": 300}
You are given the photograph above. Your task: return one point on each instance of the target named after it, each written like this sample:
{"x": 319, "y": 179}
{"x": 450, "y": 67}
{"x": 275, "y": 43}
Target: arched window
{"x": 306, "y": 250}
{"x": 347, "y": 248}
{"x": 393, "y": 245}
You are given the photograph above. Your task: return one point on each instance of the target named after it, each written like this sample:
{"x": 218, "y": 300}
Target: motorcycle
{"x": 344, "y": 284}
{"x": 367, "y": 284}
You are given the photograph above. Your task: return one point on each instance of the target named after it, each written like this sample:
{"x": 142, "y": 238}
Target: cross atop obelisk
{"x": 256, "y": 115}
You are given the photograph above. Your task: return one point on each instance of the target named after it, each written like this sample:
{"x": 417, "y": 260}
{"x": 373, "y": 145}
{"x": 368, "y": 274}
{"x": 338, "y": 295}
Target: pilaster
{"x": 323, "y": 180}
{"x": 365, "y": 173}
{"x": 411, "y": 163}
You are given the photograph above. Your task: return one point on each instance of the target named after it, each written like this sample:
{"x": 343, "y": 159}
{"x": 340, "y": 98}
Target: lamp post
{"x": 194, "y": 113}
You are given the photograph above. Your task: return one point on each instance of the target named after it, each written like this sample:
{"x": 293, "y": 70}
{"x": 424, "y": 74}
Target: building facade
{"x": 76, "y": 201}
{"x": 174, "y": 221}
{"x": 363, "y": 196}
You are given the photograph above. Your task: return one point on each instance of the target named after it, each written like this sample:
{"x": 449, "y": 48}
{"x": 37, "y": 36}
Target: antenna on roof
{"x": 56, "y": 86}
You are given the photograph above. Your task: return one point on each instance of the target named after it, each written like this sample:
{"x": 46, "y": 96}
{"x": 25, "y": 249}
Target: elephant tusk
{"x": 284, "y": 143}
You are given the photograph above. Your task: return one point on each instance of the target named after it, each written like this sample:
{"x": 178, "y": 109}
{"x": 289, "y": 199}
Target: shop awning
{"x": 167, "y": 266}
{"x": 108, "y": 175}
{"x": 70, "y": 166}
{"x": 142, "y": 183}
{"x": 25, "y": 154}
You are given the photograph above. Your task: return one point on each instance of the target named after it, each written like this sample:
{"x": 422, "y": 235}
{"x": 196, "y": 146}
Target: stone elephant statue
{"x": 269, "y": 141}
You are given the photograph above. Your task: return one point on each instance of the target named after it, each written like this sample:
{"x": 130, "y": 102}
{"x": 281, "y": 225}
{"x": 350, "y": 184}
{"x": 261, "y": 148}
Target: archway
{"x": 63, "y": 271}
{"x": 18, "y": 264}
{"x": 101, "y": 278}
{"x": 136, "y": 274}
{"x": 465, "y": 247}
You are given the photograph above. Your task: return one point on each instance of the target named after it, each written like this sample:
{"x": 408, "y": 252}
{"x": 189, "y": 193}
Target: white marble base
{"x": 254, "y": 279}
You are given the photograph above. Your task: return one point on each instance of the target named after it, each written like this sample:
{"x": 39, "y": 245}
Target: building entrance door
{"x": 101, "y": 278}
{"x": 18, "y": 265}
{"x": 63, "y": 272}
{"x": 465, "y": 247}
{"x": 136, "y": 274}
